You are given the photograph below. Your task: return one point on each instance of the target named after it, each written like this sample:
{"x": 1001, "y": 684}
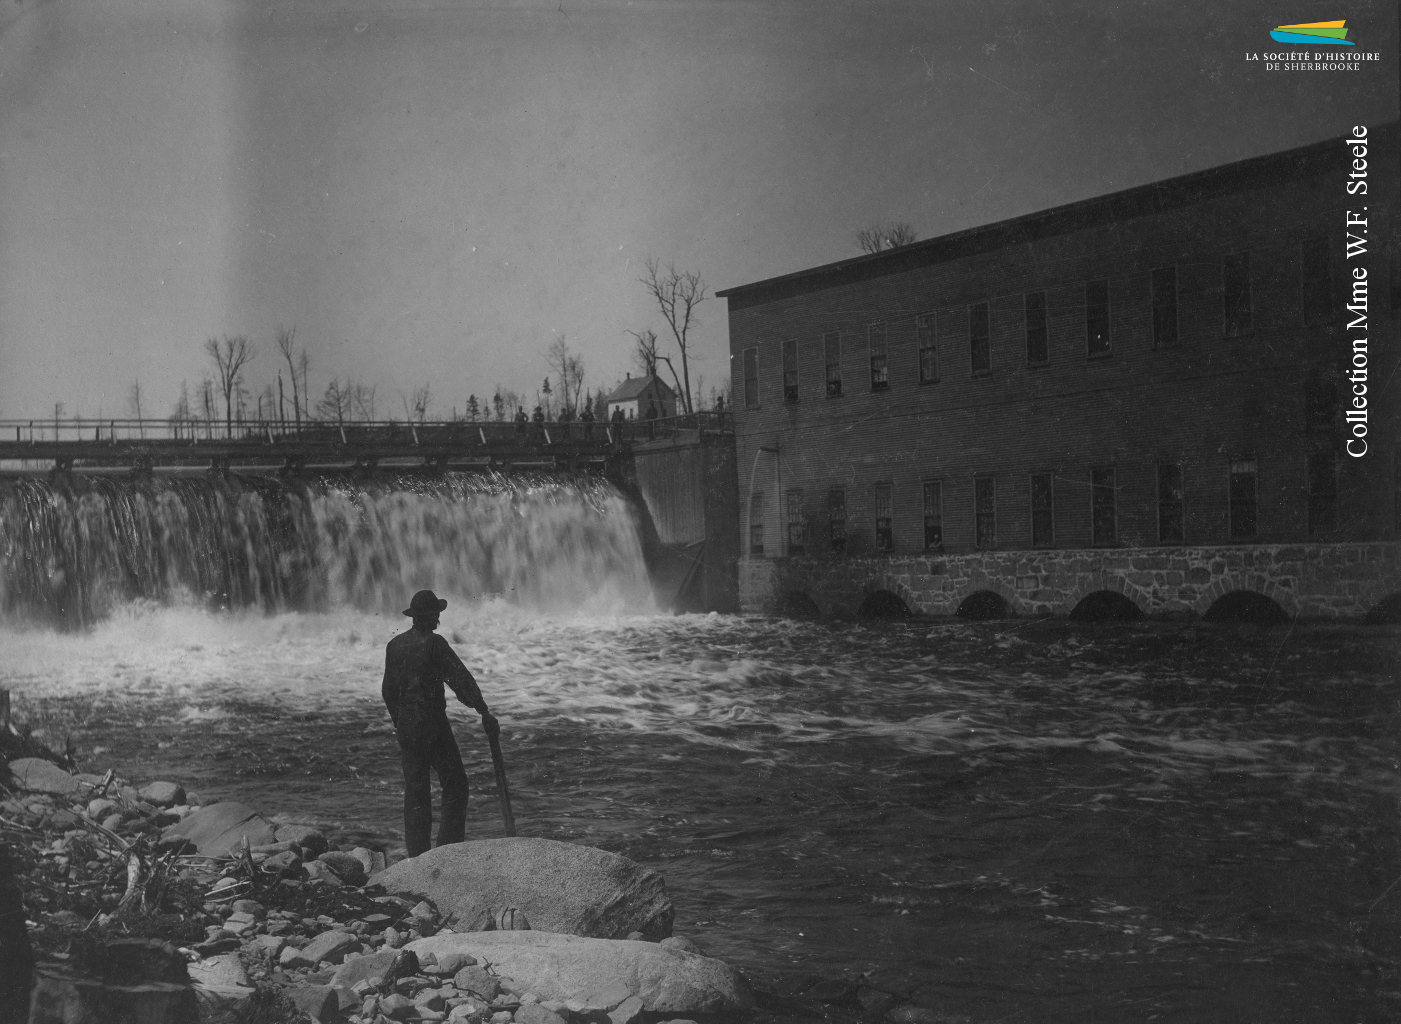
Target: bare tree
{"x": 285, "y": 336}
{"x": 362, "y": 399}
{"x": 646, "y": 357}
{"x": 229, "y": 359}
{"x": 416, "y": 404}
{"x": 574, "y": 380}
{"x": 677, "y": 296}
{"x": 644, "y": 353}
{"x": 207, "y": 403}
{"x": 886, "y": 236}
{"x": 335, "y": 403}
{"x": 558, "y": 359}
{"x": 134, "y": 402}
{"x": 180, "y": 415}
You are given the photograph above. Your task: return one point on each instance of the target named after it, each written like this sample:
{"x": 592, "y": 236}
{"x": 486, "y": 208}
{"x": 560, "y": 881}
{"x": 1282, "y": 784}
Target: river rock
{"x": 681, "y": 942}
{"x": 346, "y": 866}
{"x": 101, "y": 807}
{"x": 312, "y": 841}
{"x": 396, "y": 1007}
{"x": 285, "y": 863}
{"x": 163, "y": 794}
{"x": 320, "y": 1002}
{"x": 629, "y": 1011}
{"x": 294, "y": 957}
{"x": 221, "y": 987}
{"x": 218, "y": 829}
{"x": 450, "y": 963}
{"x": 316, "y": 871}
{"x": 218, "y": 970}
{"x": 559, "y": 887}
{"x": 476, "y": 980}
{"x": 331, "y": 947}
{"x": 362, "y": 968}
{"x": 600, "y": 974}
{"x": 534, "y": 1013}
{"x": 39, "y": 776}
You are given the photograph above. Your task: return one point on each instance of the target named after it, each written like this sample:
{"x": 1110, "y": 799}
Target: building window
{"x": 1235, "y": 280}
{"x": 928, "y": 355}
{"x": 985, "y": 511}
{"x": 1320, "y": 402}
{"x": 1043, "y": 514}
{"x": 1170, "y": 503}
{"x": 885, "y": 536}
{"x": 933, "y": 515}
{"x": 795, "y": 522}
{"x": 756, "y": 523}
{"x": 1097, "y": 318}
{"x": 1103, "y": 515}
{"x": 836, "y": 515}
{"x": 751, "y": 378}
{"x": 1038, "y": 343}
{"x": 1316, "y": 281}
{"x": 790, "y": 371}
{"x": 979, "y": 339}
{"x": 880, "y": 378}
{"x": 832, "y": 351}
{"x": 1242, "y": 498}
{"x": 1323, "y": 493}
{"x": 1165, "y": 307}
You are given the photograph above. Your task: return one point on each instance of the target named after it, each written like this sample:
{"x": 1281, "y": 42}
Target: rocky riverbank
{"x": 213, "y": 912}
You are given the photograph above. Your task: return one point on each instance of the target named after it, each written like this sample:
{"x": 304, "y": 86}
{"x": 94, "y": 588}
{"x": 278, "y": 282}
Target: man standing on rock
{"x": 416, "y": 665}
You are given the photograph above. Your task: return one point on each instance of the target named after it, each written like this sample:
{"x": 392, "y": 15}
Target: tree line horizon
{"x": 676, "y": 293}
{"x": 224, "y": 394}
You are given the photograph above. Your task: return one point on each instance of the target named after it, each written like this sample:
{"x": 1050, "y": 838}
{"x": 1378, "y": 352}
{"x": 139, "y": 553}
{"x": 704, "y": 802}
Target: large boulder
{"x": 39, "y": 776}
{"x": 218, "y": 829}
{"x": 560, "y": 887}
{"x": 598, "y": 975}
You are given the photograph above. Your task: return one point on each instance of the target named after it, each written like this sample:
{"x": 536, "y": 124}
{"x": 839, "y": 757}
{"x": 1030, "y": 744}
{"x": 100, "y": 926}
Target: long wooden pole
{"x": 499, "y": 763}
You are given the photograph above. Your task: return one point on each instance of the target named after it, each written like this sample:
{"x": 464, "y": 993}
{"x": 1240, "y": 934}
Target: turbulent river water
{"x": 1035, "y": 821}
{"x": 1017, "y": 821}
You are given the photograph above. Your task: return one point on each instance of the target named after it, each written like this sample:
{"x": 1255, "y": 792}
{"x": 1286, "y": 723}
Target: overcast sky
{"x": 432, "y": 191}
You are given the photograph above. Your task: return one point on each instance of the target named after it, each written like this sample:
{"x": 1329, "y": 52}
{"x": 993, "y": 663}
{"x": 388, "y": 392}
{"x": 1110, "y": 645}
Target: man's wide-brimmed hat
{"x": 425, "y": 602}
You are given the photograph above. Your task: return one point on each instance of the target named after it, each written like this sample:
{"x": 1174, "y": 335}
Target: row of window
{"x": 1242, "y": 503}
{"x": 1237, "y": 317}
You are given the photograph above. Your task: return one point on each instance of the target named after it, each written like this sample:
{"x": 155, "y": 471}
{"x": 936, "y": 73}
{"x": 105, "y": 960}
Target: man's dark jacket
{"x": 416, "y": 665}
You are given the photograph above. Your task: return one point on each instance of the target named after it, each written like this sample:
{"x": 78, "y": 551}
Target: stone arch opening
{"x": 1106, "y": 606}
{"x": 1246, "y": 606}
{"x": 797, "y": 605}
{"x": 1387, "y": 610}
{"x": 984, "y": 604}
{"x": 884, "y": 605}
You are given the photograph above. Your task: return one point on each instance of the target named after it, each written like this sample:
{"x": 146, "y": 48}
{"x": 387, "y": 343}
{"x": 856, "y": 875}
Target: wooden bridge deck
{"x": 143, "y": 445}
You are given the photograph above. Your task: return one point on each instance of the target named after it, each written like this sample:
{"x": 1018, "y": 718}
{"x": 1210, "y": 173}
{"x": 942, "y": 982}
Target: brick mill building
{"x": 1135, "y": 398}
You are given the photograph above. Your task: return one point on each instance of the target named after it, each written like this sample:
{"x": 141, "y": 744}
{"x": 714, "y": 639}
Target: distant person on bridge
{"x": 522, "y": 422}
{"x": 586, "y": 418}
{"x": 651, "y": 420}
{"x": 416, "y": 665}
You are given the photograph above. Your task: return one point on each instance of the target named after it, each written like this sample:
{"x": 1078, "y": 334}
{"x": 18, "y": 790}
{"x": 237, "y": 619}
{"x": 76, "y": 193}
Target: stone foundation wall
{"x": 1314, "y": 581}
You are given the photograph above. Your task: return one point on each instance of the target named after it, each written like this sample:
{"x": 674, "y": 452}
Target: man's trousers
{"x": 426, "y": 741}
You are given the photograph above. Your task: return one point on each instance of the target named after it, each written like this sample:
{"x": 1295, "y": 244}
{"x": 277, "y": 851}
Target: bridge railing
{"x": 361, "y": 432}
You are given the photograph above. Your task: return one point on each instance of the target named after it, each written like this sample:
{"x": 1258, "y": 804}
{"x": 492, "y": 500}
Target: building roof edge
{"x": 1254, "y": 172}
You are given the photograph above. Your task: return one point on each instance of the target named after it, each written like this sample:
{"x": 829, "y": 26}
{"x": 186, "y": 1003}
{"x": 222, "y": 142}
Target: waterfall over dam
{"x": 73, "y": 548}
